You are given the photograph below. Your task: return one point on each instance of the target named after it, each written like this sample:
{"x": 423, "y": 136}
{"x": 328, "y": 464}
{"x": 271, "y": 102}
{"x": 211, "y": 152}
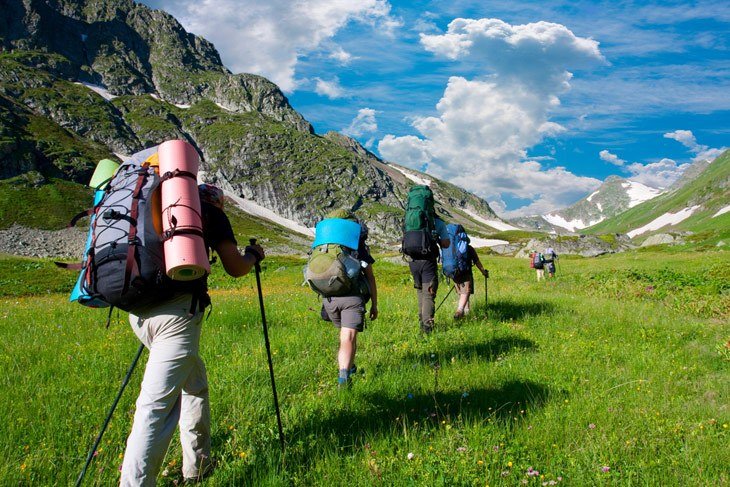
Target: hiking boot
{"x": 344, "y": 383}
{"x": 458, "y": 315}
{"x": 352, "y": 371}
{"x": 427, "y": 328}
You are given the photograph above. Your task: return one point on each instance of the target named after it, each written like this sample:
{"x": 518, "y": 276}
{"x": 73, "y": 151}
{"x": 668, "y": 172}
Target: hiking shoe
{"x": 458, "y": 315}
{"x": 353, "y": 370}
{"x": 426, "y": 328}
{"x": 344, "y": 383}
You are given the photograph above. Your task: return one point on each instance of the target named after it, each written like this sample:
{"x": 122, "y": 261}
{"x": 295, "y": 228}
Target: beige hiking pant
{"x": 174, "y": 391}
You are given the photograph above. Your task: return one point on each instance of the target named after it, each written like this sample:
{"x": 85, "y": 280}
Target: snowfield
{"x": 496, "y": 224}
{"x": 257, "y": 210}
{"x": 571, "y": 225}
{"x": 638, "y": 193}
{"x": 100, "y": 90}
{"x": 722, "y": 211}
{"x": 664, "y": 220}
{"x": 412, "y": 177}
{"x": 478, "y": 243}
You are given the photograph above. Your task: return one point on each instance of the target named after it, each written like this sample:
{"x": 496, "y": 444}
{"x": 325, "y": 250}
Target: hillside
{"x": 700, "y": 206}
{"x": 80, "y": 81}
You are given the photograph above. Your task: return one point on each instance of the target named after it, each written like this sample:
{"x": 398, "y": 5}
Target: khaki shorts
{"x": 346, "y": 311}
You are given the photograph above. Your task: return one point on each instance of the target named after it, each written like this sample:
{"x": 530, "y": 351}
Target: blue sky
{"x": 527, "y": 104}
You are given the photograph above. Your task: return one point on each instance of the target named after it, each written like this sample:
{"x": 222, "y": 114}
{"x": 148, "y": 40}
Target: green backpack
{"x": 419, "y": 225}
{"x": 332, "y": 271}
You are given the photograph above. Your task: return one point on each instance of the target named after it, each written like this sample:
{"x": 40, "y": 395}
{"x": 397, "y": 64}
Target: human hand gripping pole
{"x": 268, "y": 346}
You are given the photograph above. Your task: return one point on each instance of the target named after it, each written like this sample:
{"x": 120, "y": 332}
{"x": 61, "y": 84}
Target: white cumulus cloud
{"x": 330, "y": 89}
{"x": 611, "y": 158}
{"x": 659, "y": 174}
{"x": 687, "y": 139}
{"x": 364, "y": 123}
{"x": 484, "y": 126}
{"x": 269, "y": 38}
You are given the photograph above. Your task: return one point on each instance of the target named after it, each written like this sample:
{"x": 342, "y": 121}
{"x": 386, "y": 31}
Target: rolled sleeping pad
{"x": 337, "y": 231}
{"x": 104, "y": 172}
{"x": 186, "y": 258}
{"x": 77, "y": 293}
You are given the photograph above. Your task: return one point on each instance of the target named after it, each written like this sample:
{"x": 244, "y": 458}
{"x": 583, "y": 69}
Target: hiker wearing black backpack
{"x": 340, "y": 271}
{"x": 423, "y": 234}
{"x": 550, "y": 257}
{"x": 537, "y": 262}
{"x": 174, "y": 390}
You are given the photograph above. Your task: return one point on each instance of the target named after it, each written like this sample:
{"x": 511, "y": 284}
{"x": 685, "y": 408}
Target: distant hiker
{"x": 174, "y": 390}
{"x": 340, "y": 271}
{"x": 537, "y": 262}
{"x": 423, "y": 234}
{"x": 550, "y": 257}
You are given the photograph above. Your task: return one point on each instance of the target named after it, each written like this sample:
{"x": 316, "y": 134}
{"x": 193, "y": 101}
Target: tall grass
{"x": 588, "y": 379}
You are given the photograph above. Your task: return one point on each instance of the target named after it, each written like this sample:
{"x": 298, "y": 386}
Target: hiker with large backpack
{"x": 456, "y": 262}
{"x": 550, "y": 257}
{"x": 127, "y": 265}
{"x": 340, "y": 271}
{"x": 423, "y": 234}
{"x": 537, "y": 262}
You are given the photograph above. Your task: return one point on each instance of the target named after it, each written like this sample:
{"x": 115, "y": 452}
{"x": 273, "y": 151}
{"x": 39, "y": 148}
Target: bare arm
{"x": 235, "y": 263}
{"x": 373, "y": 292}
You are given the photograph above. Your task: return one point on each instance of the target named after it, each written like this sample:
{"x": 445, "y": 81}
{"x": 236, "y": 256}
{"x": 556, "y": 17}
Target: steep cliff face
{"x": 131, "y": 49}
{"x": 84, "y": 80}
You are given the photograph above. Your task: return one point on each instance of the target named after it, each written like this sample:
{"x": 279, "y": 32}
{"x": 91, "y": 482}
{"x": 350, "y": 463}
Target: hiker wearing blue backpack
{"x": 174, "y": 390}
{"x": 340, "y": 271}
{"x": 457, "y": 261}
{"x": 423, "y": 234}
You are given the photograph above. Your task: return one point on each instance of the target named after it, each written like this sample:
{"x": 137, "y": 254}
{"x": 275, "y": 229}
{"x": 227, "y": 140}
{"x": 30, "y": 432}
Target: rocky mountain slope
{"x": 615, "y": 196}
{"x": 84, "y": 80}
{"x": 700, "y": 207}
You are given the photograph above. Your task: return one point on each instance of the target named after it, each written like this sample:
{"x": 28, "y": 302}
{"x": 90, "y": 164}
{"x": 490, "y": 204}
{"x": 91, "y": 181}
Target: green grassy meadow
{"x": 614, "y": 373}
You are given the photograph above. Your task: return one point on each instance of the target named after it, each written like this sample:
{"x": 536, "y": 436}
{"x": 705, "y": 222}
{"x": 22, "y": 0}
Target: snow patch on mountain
{"x": 664, "y": 220}
{"x": 257, "y": 210}
{"x": 590, "y": 198}
{"x": 722, "y": 211}
{"x": 412, "y": 177}
{"x": 478, "y": 243}
{"x": 498, "y": 225}
{"x": 571, "y": 225}
{"x": 101, "y": 90}
{"x": 638, "y": 193}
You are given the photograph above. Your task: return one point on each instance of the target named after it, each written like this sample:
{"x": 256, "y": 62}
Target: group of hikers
{"x": 174, "y": 390}
{"x": 544, "y": 261}
{"x": 124, "y": 267}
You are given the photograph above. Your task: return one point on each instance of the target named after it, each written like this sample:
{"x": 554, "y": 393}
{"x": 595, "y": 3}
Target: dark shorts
{"x": 346, "y": 311}
{"x": 464, "y": 283}
{"x": 424, "y": 271}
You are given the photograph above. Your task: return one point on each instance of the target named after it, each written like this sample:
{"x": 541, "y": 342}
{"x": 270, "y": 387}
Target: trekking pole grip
{"x": 252, "y": 241}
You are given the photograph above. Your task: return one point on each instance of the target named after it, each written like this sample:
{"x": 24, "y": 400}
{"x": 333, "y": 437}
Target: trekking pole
{"x": 486, "y": 293}
{"x": 109, "y": 416}
{"x": 268, "y": 349}
{"x": 447, "y": 295}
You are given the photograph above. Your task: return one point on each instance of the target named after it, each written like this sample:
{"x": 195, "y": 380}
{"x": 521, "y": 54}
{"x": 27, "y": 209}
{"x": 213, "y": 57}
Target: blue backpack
{"x": 455, "y": 258}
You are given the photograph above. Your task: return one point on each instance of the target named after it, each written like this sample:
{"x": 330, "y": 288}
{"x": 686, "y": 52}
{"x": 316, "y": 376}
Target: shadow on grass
{"x": 361, "y": 416}
{"x": 488, "y": 351}
{"x": 508, "y": 310}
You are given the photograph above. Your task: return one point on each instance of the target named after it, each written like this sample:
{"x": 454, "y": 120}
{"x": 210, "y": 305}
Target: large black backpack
{"x": 419, "y": 225}
{"x": 124, "y": 264}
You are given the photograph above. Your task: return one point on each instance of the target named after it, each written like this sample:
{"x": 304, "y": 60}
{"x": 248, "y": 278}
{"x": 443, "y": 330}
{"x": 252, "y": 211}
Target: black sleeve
{"x": 216, "y": 226}
{"x": 363, "y": 253}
